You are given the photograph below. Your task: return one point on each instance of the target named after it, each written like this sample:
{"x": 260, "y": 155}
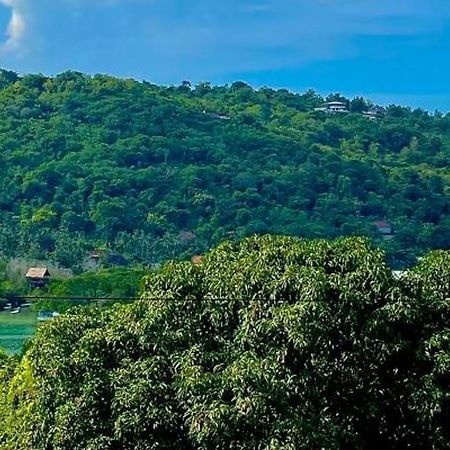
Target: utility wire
{"x": 42, "y": 297}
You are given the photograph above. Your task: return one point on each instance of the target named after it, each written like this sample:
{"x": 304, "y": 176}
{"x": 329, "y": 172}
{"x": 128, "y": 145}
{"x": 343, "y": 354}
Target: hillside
{"x": 155, "y": 173}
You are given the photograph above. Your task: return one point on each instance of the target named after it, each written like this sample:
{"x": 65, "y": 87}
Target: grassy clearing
{"x": 15, "y": 329}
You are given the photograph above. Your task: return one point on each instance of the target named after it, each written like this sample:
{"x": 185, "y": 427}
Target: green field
{"x": 15, "y": 329}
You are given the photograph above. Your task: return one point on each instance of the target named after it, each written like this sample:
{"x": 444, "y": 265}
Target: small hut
{"x": 38, "y": 277}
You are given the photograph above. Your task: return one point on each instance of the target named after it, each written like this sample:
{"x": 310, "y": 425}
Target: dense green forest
{"x": 152, "y": 173}
{"x": 271, "y": 343}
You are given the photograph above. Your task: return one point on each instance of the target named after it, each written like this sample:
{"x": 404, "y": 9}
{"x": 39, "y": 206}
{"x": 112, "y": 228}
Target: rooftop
{"x": 382, "y": 224}
{"x": 37, "y": 272}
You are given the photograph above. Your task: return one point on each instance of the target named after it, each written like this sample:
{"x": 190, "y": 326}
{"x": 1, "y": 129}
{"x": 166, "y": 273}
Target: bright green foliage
{"x": 421, "y": 319}
{"x": 115, "y": 283}
{"x": 98, "y": 161}
{"x": 271, "y": 343}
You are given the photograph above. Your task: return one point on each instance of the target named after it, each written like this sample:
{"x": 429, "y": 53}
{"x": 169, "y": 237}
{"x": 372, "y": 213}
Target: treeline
{"x": 154, "y": 172}
{"x": 270, "y": 343}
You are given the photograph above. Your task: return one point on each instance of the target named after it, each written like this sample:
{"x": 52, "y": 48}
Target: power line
{"x": 41, "y": 297}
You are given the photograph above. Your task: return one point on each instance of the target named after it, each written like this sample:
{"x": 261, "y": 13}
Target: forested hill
{"x": 154, "y": 172}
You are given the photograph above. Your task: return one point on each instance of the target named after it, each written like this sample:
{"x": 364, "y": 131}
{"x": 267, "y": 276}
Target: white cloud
{"x": 16, "y": 27}
{"x": 26, "y": 16}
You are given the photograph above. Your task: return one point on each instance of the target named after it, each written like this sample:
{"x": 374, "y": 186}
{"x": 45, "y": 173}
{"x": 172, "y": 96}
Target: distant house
{"x": 374, "y": 112}
{"x": 384, "y": 228}
{"x": 371, "y": 115}
{"x": 96, "y": 254}
{"x": 197, "y": 259}
{"x": 334, "y": 107}
{"x": 94, "y": 259}
{"x": 337, "y": 107}
{"x": 219, "y": 116}
{"x": 38, "y": 277}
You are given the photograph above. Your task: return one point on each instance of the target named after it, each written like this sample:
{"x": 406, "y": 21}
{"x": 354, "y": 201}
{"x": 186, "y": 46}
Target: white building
{"x": 371, "y": 115}
{"x": 337, "y": 107}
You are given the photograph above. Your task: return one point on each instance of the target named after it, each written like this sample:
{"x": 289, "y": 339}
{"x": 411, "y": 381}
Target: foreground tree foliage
{"x": 270, "y": 343}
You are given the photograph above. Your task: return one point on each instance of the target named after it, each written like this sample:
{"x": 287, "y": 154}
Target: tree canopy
{"x": 268, "y": 343}
{"x": 156, "y": 172}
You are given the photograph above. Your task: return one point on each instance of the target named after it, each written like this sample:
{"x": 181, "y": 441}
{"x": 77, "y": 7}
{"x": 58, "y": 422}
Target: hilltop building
{"x": 371, "y": 115}
{"x": 374, "y": 112}
{"x": 334, "y": 107}
{"x": 337, "y": 107}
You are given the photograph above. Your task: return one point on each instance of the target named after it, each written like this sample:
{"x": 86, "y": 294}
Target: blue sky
{"x": 392, "y": 51}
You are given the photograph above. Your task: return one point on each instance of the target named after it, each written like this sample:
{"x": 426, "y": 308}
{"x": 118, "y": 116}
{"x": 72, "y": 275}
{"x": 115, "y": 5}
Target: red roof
{"x": 382, "y": 224}
{"x": 197, "y": 259}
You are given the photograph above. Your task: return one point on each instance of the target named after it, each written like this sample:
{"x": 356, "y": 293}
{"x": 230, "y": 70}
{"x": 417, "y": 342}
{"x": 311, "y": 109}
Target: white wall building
{"x": 337, "y": 107}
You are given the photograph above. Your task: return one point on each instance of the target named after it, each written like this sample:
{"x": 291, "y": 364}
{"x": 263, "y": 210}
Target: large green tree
{"x": 270, "y": 343}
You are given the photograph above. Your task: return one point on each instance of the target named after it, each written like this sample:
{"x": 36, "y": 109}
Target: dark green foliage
{"x": 98, "y": 161}
{"x": 271, "y": 343}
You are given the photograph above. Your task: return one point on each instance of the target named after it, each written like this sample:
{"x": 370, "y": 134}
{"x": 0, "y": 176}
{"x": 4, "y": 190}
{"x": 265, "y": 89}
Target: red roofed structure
{"x": 383, "y": 227}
